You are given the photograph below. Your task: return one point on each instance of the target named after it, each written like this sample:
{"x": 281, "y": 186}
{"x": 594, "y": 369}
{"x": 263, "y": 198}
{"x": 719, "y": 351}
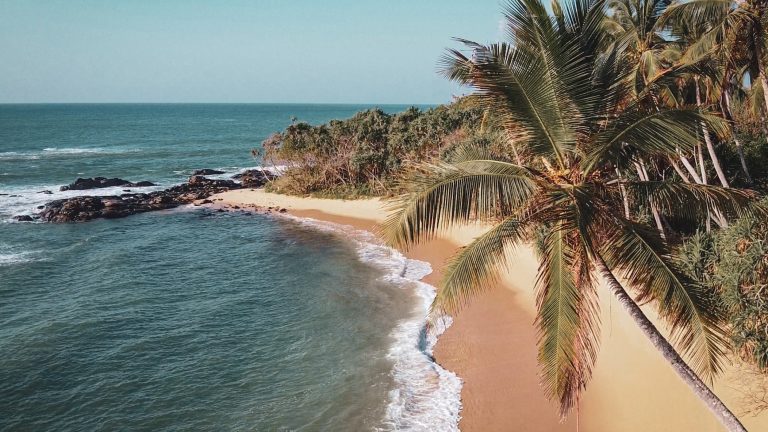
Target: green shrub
{"x": 363, "y": 155}
{"x": 734, "y": 263}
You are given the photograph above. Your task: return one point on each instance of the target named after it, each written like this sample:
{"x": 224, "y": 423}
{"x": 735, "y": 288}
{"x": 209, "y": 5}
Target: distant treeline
{"x": 365, "y": 154}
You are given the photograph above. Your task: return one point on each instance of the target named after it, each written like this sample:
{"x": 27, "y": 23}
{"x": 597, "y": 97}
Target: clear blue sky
{"x": 334, "y": 51}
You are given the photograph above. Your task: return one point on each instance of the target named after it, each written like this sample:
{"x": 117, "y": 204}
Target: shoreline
{"x": 491, "y": 344}
{"x": 425, "y": 393}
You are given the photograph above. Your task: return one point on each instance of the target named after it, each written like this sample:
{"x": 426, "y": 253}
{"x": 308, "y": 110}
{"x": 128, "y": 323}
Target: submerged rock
{"x": 23, "y": 218}
{"x": 102, "y": 182}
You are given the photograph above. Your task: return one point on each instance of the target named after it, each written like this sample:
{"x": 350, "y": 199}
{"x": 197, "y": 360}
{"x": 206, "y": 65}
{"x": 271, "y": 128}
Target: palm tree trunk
{"x": 758, "y": 35}
{"x": 679, "y": 171}
{"x": 691, "y": 169}
{"x": 643, "y": 174}
{"x": 710, "y": 146}
{"x": 715, "y": 405}
{"x": 702, "y": 166}
{"x": 739, "y": 149}
{"x": 624, "y": 196}
{"x": 713, "y": 156}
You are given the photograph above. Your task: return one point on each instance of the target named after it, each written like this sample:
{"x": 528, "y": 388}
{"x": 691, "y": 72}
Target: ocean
{"x": 190, "y": 319}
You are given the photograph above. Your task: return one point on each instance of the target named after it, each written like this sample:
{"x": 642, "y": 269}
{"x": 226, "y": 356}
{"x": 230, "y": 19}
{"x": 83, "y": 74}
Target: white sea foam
{"x": 231, "y": 171}
{"x": 25, "y": 200}
{"x": 49, "y": 152}
{"x": 426, "y": 397}
{"x": 9, "y": 257}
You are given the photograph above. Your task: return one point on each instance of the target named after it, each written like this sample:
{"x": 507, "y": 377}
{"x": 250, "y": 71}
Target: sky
{"x": 289, "y": 51}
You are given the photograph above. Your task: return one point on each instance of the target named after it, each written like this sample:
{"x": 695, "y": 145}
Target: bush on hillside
{"x": 364, "y": 155}
{"x": 734, "y": 263}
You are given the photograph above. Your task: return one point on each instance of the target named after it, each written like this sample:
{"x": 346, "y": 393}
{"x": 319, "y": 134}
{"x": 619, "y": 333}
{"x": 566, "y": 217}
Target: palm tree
{"x": 551, "y": 91}
{"x": 736, "y": 28}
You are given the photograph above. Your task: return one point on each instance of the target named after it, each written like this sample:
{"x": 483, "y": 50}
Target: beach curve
{"x": 491, "y": 344}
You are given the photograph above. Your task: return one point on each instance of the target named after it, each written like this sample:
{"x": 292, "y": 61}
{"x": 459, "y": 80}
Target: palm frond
{"x": 690, "y": 200}
{"x": 518, "y": 87}
{"x": 476, "y": 265}
{"x": 442, "y": 195}
{"x": 639, "y": 254}
{"x": 567, "y": 320}
{"x": 639, "y": 132}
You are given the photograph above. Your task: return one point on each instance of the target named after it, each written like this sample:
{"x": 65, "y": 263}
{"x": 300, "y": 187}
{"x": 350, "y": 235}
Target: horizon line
{"x": 223, "y": 103}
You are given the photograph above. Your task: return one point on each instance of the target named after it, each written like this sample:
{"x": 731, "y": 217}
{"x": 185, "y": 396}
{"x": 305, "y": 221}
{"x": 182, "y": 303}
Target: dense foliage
{"x": 733, "y": 263}
{"x": 363, "y": 155}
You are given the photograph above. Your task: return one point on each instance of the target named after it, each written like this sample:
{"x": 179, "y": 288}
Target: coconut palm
{"x": 631, "y": 27}
{"x": 571, "y": 110}
{"x": 735, "y": 29}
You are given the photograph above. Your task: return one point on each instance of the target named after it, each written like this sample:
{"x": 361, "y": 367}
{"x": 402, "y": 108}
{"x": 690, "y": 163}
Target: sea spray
{"x": 426, "y": 396}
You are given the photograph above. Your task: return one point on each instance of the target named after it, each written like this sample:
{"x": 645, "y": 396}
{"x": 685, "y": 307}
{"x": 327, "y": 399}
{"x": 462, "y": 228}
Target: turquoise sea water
{"x": 191, "y": 319}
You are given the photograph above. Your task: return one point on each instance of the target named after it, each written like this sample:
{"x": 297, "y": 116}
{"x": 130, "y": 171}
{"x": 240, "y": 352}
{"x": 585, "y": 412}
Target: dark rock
{"x": 254, "y": 178}
{"x": 102, "y": 182}
{"x": 206, "y": 171}
{"x": 282, "y": 210}
{"x": 47, "y": 192}
{"x": 94, "y": 183}
{"x": 23, "y": 218}
{"x": 84, "y": 208}
{"x": 207, "y": 201}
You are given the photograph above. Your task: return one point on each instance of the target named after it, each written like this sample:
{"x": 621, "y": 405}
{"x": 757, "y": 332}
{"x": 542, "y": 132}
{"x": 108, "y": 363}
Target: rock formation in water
{"x": 102, "y": 182}
{"x": 207, "y": 171}
{"x": 85, "y": 208}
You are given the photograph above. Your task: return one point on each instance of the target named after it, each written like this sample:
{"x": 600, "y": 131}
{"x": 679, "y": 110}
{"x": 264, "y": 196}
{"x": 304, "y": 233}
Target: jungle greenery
{"x": 364, "y": 155}
{"x": 733, "y": 264}
{"x": 608, "y": 132}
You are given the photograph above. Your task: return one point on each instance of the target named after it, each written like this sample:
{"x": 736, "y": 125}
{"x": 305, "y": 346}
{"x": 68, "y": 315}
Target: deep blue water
{"x": 191, "y": 319}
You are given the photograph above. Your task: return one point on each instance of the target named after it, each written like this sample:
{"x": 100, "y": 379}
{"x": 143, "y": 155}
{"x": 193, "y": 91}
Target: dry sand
{"x": 491, "y": 346}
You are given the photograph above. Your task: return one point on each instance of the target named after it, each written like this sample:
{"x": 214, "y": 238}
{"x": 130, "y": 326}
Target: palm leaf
{"x": 639, "y": 132}
{"x": 567, "y": 319}
{"x": 446, "y": 194}
{"x": 522, "y": 90}
{"x": 690, "y": 200}
{"x": 468, "y": 273}
{"x": 645, "y": 261}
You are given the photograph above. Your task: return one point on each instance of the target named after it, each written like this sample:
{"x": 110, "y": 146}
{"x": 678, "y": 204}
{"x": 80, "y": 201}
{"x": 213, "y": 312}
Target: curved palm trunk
{"x": 643, "y": 174}
{"x": 715, "y": 405}
{"x": 710, "y": 146}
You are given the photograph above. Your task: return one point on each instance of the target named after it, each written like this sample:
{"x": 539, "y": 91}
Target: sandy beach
{"x": 491, "y": 346}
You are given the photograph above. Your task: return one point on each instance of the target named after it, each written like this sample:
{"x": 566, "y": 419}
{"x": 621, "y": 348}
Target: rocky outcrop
{"x": 254, "y": 178}
{"x": 102, "y": 182}
{"x": 85, "y": 208}
{"x": 207, "y": 171}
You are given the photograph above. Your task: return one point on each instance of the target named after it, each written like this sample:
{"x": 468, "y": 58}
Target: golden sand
{"x": 492, "y": 346}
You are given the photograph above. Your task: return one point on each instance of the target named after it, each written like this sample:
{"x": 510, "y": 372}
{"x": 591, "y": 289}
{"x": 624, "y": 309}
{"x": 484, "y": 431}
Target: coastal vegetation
{"x": 627, "y": 139}
{"x": 364, "y": 155}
